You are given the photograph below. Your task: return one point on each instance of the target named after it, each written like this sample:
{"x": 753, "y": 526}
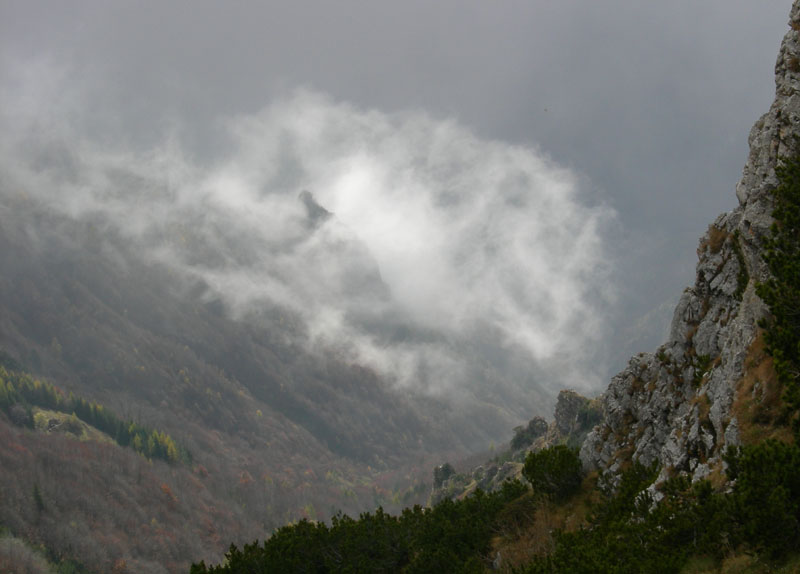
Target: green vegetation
{"x": 702, "y": 364}
{"x": 525, "y": 435}
{"x": 626, "y": 530}
{"x": 19, "y": 393}
{"x": 782, "y": 292}
{"x": 767, "y": 496}
{"x": 554, "y": 472}
{"x": 453, "y": 536}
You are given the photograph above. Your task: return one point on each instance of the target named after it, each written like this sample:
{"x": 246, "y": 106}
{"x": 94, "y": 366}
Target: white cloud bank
{"x": 447, "y": 257}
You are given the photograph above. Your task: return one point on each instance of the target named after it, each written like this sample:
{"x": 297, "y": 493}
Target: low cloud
{"x": 441, "y": 260}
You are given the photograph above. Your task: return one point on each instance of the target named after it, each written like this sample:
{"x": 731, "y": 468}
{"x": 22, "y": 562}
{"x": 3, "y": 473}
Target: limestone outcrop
{"x": 681, "y": 407}
{"x": 676, "y": 406}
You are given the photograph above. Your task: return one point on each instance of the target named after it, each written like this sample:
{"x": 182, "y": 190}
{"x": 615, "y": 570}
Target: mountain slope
{"x": 693, "y": 466}
{"x": 279, "y": 431}
{"x": 681, "y": 406}
{"x": 276, "y": 432}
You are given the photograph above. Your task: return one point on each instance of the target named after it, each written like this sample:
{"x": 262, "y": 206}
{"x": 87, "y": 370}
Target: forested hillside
{"x": 240, "y": 428}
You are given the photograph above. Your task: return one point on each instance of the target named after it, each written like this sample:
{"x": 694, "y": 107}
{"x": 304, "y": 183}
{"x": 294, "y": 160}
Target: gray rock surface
{"x": 574, "y": 416}
{"x": 674, "y": 406}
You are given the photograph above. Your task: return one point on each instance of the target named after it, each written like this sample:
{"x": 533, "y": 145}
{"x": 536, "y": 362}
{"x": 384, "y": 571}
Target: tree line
{"x": 21, "y": 392}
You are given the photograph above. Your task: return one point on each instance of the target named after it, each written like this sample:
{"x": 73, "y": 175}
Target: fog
{"x": 403, "y": 241}
{"x": 515, "y": 190}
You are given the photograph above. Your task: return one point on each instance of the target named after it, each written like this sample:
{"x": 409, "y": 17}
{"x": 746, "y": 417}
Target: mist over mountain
{"x": 686, "y": 463}
{"x": 257, "y": 267}
{"x": 317, "y": 316}
{"x": 435, "y": 247}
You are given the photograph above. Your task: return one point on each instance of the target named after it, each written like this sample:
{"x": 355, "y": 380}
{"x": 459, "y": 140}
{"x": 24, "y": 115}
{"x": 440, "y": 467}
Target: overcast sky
{"x": 638, "y": 110}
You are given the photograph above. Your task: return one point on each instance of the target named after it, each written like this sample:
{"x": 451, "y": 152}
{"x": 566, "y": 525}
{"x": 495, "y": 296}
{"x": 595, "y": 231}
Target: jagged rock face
{"x": 568, "y": 408}
{"x": 674, "y": 407}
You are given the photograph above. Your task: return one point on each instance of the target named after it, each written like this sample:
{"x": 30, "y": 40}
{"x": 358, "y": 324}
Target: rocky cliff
{"x": 711, "y": 385}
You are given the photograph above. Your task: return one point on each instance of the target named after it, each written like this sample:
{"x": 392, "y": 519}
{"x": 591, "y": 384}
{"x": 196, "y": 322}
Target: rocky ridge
{"x": 682, "y": 406}
{"x": 678, "y": 406}
{"x": 574, "y": 417}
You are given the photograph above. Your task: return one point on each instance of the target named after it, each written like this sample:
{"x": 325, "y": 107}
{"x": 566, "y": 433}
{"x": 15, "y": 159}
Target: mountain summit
{"x": 315, "y": 212}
